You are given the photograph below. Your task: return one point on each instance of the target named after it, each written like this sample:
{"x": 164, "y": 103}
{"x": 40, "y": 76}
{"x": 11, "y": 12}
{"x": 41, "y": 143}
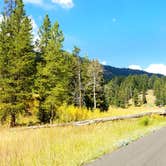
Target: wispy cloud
{"x": 64, "y": 3}
{"x": 152, "y": 68}
{"x": 103, "y": 62}
{"x": 51, "y": 4}
{"x": 135, "y": 67}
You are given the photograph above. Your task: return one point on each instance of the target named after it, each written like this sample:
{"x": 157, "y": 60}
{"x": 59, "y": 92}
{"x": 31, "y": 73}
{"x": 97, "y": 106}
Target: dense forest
{"x": 42, "y": 71}
{"x": 131, "y": 90}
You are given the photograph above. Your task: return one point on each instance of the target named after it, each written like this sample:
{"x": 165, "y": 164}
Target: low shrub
{"x": 69, "y": 113}
{"x": 145, "y": 121}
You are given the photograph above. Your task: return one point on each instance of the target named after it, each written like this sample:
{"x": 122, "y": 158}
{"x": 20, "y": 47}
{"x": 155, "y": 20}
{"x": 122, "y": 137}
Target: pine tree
{"x": 41, "y": 79}
{"x": 136, "y": 98}
{"x": 52, "y": 81}
{"x": 9, "y": 7}
{"x": 77, "y": 77}
{"x": 144, "y": 101}
{"x": 44, "y": 34}
{"x": 17, "y": 53}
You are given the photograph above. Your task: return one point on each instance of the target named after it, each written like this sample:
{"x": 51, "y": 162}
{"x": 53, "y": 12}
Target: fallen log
{"x": 98, "y": 120}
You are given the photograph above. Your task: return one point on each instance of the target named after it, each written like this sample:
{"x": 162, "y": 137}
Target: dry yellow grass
{"x": 131, "y": 110}
{"x": 69, "y": 146}
{"x": 149, "y": 107}
{"x": 74, "y": 146}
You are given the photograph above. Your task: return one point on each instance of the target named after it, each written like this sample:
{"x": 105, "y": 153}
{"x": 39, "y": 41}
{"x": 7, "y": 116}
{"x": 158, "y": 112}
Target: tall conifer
{"x": 17, "y": 54}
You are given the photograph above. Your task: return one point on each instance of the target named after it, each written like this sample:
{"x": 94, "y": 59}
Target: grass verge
{"x": 70, "y": 146}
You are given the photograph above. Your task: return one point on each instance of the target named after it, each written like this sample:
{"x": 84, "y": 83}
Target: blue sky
{"x": 120, "y": 33}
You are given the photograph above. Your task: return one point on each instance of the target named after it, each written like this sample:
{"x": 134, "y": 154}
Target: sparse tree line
{"x": 132, "y": 90}
{"x": 43, "y": 72}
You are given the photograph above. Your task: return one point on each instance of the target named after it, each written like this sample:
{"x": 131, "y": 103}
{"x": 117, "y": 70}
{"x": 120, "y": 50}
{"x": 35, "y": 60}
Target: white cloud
{"x": 52, "y": 3}
{"x": 152, "y": 68}
{"x": 1, "y": 18}
{"x": 64, "y": 3}
{"x": 35, "y": 28}
{"x": 156, "y": 68}
{"x": 135, "y": 67}
{"x": 103, "y": 62}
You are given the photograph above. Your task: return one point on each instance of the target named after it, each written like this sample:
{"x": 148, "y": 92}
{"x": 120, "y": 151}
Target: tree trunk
{"x": 13, "y": 120}
{"x": 94, "y": 91}
{"x": 52, "y": 115}
{"x": 80, "y": 85}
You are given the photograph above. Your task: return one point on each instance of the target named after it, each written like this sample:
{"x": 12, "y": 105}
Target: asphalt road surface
{"x": 147, "y": 151}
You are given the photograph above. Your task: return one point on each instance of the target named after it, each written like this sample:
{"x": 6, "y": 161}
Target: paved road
{"x": 148, "y": 151}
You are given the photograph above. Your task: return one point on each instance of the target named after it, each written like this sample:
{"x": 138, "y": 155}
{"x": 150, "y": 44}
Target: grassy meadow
{"x": 70, "y": 146}
{"x": 43, "y": 83}
{"x": 75, "y": 146}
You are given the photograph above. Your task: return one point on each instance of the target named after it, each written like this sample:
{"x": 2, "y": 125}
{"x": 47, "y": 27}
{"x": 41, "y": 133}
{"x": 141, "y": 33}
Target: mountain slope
{"x": 110, "y": 72}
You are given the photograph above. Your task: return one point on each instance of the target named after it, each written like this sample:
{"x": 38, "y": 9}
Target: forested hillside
{"x": 110, "y": 72}
{"x": 132, "y": 90}
{"x": 37, "y": 78}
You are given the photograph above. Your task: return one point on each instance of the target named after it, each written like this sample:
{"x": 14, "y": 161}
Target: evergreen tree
{"x": 44, "y": 34}
{"x": 41, "y": 79}
{"x": 77, "y": 78}
{"x": 52, "y": 82}
{"x": 144, "y": 101}
{"x": 17, "y": 54}
{"x": 136, "y": 98}
{"x": 9, "y": 7}
{"x": 159, "y": 91}
{"x": 76, "y": 52}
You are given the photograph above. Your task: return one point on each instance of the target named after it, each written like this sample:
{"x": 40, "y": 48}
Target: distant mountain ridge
{"x": 110, "y": 72}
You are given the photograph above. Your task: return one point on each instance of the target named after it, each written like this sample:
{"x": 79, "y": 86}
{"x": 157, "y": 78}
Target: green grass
{"x": 70, "y": 146}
